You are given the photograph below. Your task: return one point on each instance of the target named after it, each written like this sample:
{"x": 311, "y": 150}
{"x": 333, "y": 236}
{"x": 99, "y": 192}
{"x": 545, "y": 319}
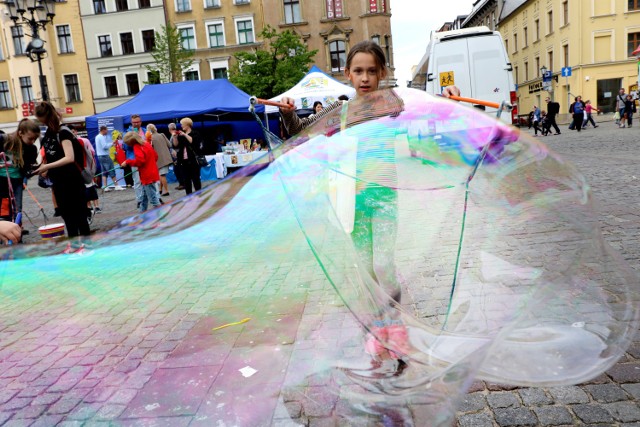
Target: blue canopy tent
{"x": 213, "y": 105}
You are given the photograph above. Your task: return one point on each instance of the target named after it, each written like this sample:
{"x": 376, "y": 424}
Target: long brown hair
{"x": 47, "y": 114}
{"x": 367, "y": 46}
{"x": 133, "y": 136}
{"x": 14, "y": 141}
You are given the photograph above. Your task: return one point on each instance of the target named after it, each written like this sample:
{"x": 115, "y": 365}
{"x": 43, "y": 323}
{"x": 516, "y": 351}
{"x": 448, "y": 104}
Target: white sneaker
{"x": 107, "y": 189}
{"x": 119, "y": 188}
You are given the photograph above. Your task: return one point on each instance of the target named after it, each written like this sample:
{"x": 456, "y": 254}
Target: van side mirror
{"x": 509, "y": 67}
{"x": 429, "y": 77}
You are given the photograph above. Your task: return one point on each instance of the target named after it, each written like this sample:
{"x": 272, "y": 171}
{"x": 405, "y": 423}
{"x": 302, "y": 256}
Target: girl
{"x": 145, "y": 160}
{"x": 61, "y": 164}
{"x": 589, "y": 109}
{"x": 162, "y": 146}
{"x": 20, "y": 156}
{"x": 317, "y": 107}
{"x": 188, "y": 142}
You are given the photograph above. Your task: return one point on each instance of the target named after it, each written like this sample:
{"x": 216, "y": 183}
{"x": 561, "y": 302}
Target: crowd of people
{"x": 143, "y": 154}
{"x": 581, "y": 114}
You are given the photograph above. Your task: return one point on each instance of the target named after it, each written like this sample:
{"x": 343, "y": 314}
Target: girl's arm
{"x": 68, "y": 158}
{"x": 139, "y": 157}
{"x": 294, "y": 124}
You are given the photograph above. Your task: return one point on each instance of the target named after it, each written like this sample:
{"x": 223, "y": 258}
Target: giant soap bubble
{"x": 365, "y": 272}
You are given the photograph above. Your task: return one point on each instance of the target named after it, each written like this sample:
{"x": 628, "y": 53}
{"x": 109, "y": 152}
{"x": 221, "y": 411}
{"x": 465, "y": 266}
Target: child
{"x": 374, "y": 231}
{"x": 546, "y": 123}
{"x": 145, "y": 160}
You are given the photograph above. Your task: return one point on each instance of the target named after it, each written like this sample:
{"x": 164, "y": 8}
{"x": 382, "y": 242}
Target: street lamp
{"x": 543, "y": 71}
{"x": 35, "y": 14}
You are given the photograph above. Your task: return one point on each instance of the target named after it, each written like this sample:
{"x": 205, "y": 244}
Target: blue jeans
{"x": 151, "y": 195}
{"x": 137, "y": 185}
{"x": 107, "y": 167}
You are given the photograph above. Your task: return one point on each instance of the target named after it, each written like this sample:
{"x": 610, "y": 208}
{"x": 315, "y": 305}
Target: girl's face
{"x": 318, "y": 108}
{"x": 364, "y": 73}
{"x": 28, "y": 137}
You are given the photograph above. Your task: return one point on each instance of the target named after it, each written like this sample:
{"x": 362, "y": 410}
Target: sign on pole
{"x": 566, "y": 71}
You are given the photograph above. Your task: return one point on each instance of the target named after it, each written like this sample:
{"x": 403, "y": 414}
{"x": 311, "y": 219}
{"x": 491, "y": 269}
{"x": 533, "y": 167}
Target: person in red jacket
{"x": 145, "y": 160}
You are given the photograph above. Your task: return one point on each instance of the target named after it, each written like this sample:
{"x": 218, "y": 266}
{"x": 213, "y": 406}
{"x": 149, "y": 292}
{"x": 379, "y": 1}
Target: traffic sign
{"x": 546, "y": 77}
{"x": 566, "y": 71}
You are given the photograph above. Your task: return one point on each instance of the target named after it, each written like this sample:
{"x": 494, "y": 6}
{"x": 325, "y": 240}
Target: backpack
{"x": 87, "y": 165}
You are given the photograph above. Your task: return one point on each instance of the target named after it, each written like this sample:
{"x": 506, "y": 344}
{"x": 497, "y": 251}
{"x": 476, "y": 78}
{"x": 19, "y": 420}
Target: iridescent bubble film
{"x": 366, "y": 272}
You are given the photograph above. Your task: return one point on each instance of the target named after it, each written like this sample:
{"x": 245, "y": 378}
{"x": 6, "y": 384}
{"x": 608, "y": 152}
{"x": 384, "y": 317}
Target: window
{"x": 538, "y": 66}
{"x": 376, "y": 40}
{"x": 153, "y": 77}
{"x": 550, "y": 60}
{"x": 526, "y": 71}
{"x": 72, "y": 87}
{"x": 292, "y": 11}
{"x": 633, "y": 40}
{"x": 379, "y": 6}
{"x": 338, "y": 55}
{"x": 188, "y": 38}
{"x": 19, "y": 45}
{"x": 99, "y": 7}
{"x": 122, "y": 5}
{"x": 5, "y": 96}
{"x": 105, "y": 45}
{"x": 565, "y": 54}
{"x": 212, "y": 3}
{"x": 219, "y": 73}
{"x": 65, "y": 44}
{"x": 26, "y": 89}
{"x": 191, "y": 75}
{"x": 550, "y": 22}
{"x": 634, "y": 5}
{"x": 565, "y": 12}
{"x": 148, "y": 40}
{"x": 334, "y": 8}
{"x": 506, "y": 44}
{"x": 143, "y": 4}
{"x": 515, "y": 70}
{"x": 526, "y": 37}
{"x": 216, "y": 34}
{"x": 245, "y": 32}
{"x": 515, "y": 42}
{"x": 183, "y": 5}
{"x": 111, "y": 86}
{"x": 133, "y": 86}
{"x": 241, "y": 1}
{"x": 126, "y": 41}
{"x": 536, "y": 24}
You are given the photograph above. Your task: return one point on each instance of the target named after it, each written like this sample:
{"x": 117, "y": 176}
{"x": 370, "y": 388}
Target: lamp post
{"x": 35, "y": 14}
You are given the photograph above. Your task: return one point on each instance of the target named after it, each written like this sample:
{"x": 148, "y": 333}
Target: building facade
{"x": 119, "y": 36}
{"x": 591, "y": 40}
{"x": 66, "y": 83}
{"x": 215, "y": 30}
{"x": 484, "y": 12}
{"x": 332, "y": 26}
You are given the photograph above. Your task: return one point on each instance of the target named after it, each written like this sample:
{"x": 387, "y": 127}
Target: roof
{"x": 509, "y": 7}
{"x": 182, "y": 99}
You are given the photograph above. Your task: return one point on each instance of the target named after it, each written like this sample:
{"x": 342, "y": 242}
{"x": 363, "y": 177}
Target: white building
{"x": 119, "y": 36}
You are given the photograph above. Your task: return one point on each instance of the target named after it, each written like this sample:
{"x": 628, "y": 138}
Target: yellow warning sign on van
{"x": 446, "y": 78}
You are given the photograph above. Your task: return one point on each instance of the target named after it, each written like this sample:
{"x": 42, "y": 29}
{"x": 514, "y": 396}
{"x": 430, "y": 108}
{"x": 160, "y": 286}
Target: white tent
{"x": 314, "y": 86}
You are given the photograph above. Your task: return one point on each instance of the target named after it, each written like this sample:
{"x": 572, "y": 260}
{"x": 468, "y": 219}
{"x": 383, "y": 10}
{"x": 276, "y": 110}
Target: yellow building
{"x": 215, "y": 30}
{"x": 64, "y": 70}
{"x": 593, "y": 39}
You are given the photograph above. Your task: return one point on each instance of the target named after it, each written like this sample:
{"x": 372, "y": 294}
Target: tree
{"x": 171, "y": 58}
{"x": 274, "y": 67}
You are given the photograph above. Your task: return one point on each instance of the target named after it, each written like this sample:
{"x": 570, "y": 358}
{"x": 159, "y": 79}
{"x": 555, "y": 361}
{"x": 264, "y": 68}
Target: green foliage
{"x": 171, "y": 59}
{"x": 274, "y": 67}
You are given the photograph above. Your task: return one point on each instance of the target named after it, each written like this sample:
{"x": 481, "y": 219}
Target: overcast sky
{"x": 411, "y": 26}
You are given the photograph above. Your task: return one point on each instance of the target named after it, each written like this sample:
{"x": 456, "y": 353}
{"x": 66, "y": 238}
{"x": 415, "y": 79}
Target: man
{"x": 103, "y": 144}
{"x": 136, "y": 126}
{"x": 620, "y": 99}
{"x": 553, "y": 108}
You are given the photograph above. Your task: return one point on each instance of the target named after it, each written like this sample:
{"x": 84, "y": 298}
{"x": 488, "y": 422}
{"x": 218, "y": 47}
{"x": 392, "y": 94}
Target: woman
{"x": 63, "y": 153}
{"x": 188, "y": 143}
{"x": 20, "y": 156}
{"x": 629, "y": 109}
{"x": 317, "y": 107}
{"x": 162, "y": 146}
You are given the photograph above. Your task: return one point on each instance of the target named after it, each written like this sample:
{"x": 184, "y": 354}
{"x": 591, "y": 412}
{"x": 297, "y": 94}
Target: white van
{"x": 473, "y": 59}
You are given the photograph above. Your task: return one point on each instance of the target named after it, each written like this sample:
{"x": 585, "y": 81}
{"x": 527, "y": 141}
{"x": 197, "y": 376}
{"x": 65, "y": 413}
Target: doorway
{"x": 607, "y": 91}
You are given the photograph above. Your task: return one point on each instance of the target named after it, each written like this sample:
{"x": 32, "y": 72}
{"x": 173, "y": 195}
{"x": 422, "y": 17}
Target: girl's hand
{"x": 9, "y": 231}
{"x": 41, "y": 170}
{"x": 451, "y": 91}
{"x": 290, "y": 101}
{"x": 123, "y": 164}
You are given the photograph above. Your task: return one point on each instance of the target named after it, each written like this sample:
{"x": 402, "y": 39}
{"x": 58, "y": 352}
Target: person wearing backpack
{"x": 64, "y": 164}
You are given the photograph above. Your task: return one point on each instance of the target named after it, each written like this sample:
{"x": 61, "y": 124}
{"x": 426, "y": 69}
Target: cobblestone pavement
{"x": 101, "y": 358}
